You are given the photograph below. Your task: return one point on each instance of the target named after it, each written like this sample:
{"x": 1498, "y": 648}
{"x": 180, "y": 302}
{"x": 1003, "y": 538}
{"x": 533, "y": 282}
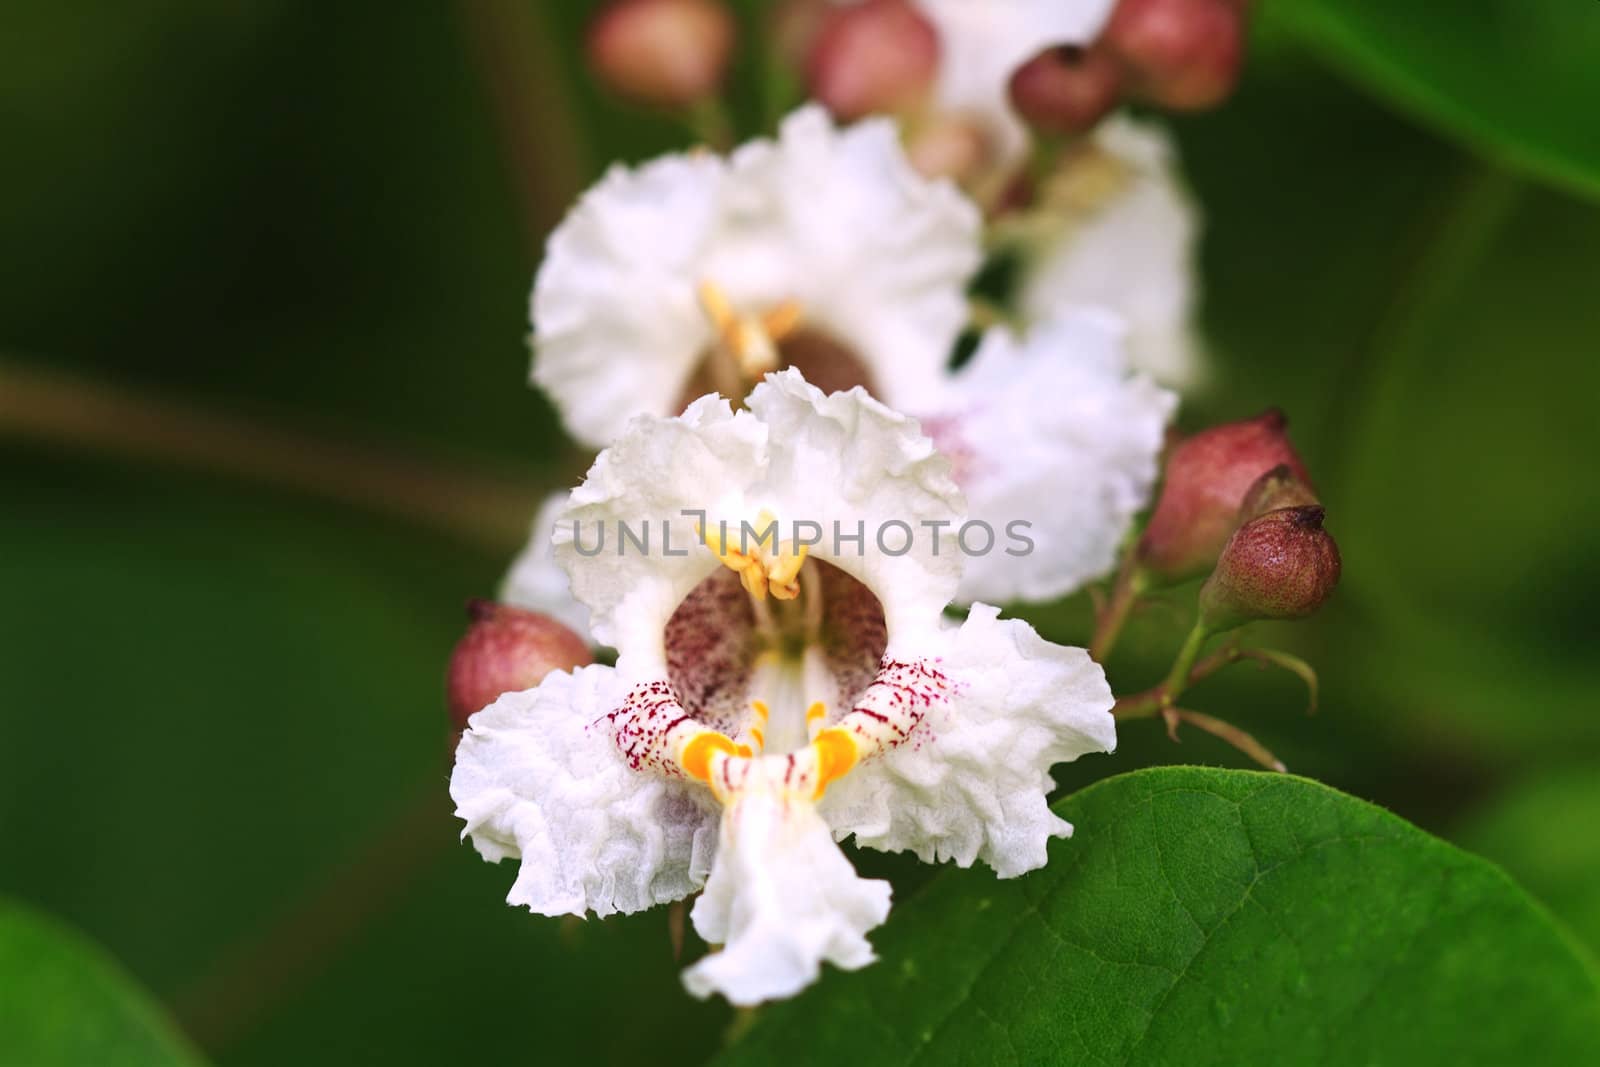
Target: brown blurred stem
{"x": 63, "y": 409}
{"x": 1226, "y": 731}
{"x": 1129, "y": 586}
{"x": 514, "y": 49}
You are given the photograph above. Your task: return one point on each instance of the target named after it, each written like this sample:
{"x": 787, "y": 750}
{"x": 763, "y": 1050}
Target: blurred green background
{"x": 264, "y": 428}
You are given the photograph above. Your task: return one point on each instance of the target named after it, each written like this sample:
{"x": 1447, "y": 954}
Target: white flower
{"x": 1060, "y": 437}
{"x": 1124, "y": 239}
{"x": 1051, "y": 430}
{"x": 983, "y": 42}
{"x": 772, "y": 698}
{"x": 681, "y": 277}
{"x": 536, "y": 581}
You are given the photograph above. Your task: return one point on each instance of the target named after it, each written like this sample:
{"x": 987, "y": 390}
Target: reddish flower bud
{"x": 1182, "y": 54}
{"x": 667, "y": 52}
{"x": 1281, "y": 565}
{"x": 1278, "y": 488}
{"x": 1206, "y": 479}
{"x": 1066, "y": 90}
{"x": 875, "y": 56}
{"x": 506, "y": 649}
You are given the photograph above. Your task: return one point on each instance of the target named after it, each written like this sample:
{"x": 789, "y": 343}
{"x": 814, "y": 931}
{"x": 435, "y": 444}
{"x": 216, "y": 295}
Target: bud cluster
{"x": 1237, "y": 501}
{"x": 883, "y": 57}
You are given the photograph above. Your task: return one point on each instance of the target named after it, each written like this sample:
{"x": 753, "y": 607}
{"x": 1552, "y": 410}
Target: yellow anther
{"x": 752, "y": 577}
{"x": 759, "y": 737}
{"x": 696, "y": 756}
{"x": 782, "y": 320}
{"x": 816, "y": 711}
{"x": 762, "y": 566}
{"x": 716, "y": 305}
{"x": 786, "y": 568}
{"x": 836, "y": 754}
{"x": 760, "y": 709}
{"x": 751, "y": 340}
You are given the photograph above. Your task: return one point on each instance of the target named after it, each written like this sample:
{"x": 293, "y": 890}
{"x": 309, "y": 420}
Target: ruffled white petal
{"x": 983, "y": 42}
{"x": 704, "y": 459}
{"x": 797, "y": 454}
{"x": 973, "y": 786}
{"x": 837, "y": 220}
{"x": 845, "y": 458}
{"x": 877, "y": 255}
{"x": 536, "y": 582}
{"x": 535, "y": 779}
{"x": 617, "y": 330}
{"x": 782, "y": 899}
{"x": 1053, "y": 431}
{"x": 1132, "y": 253}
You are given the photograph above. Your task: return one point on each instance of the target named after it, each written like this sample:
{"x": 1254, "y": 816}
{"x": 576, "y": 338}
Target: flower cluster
{"x": 799, "y": 333}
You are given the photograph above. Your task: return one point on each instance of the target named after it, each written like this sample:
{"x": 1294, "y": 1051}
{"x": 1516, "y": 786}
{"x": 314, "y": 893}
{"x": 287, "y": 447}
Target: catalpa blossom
{"x": 694, "y": 274}
{"x": 826, "y": 250}
{"x": 772, "y": 698}
{"x": 1117, "y": 231}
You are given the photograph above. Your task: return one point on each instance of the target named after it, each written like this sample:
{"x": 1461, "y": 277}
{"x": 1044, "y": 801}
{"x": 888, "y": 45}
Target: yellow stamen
{"x": 816, "y": 711}
{"x": 753, "y": 578}
{"x": 760, "y": 709}
{"x": 759, "y": 737}
{"x": 761, "y": 569}
{"x": 751, "y": 340}
{"x": 783, "y": 572}
{"x": 716, "y": 305}
{"x": 837, "y": 752}
{"x": 782, "y": 320}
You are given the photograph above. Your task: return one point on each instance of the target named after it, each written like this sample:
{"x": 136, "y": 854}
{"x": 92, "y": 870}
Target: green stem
{"x": 709, "y": 120}
{"x": 1178, "y": 678}
{"x": 1130, "y": 585}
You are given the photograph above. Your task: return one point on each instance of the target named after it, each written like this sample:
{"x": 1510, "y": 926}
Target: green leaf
{"x": 1206, "y": 916}
{"x": 67, "y": 1002}
{"x": 1516, "y": 79}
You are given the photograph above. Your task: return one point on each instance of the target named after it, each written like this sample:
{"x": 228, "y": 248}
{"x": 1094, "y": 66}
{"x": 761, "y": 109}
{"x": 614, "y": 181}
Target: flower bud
{"x": 1278, "y": 488}
{"x": 667, "y": 52}
{"x": 506, "y": 649}
{"x": 875, "y": 56}
{"x": 1206, "y": 479}
{"x": 1182, "y": 54}
{"x": 1280, "y": 565}
{"x": 1066, "y": 90}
